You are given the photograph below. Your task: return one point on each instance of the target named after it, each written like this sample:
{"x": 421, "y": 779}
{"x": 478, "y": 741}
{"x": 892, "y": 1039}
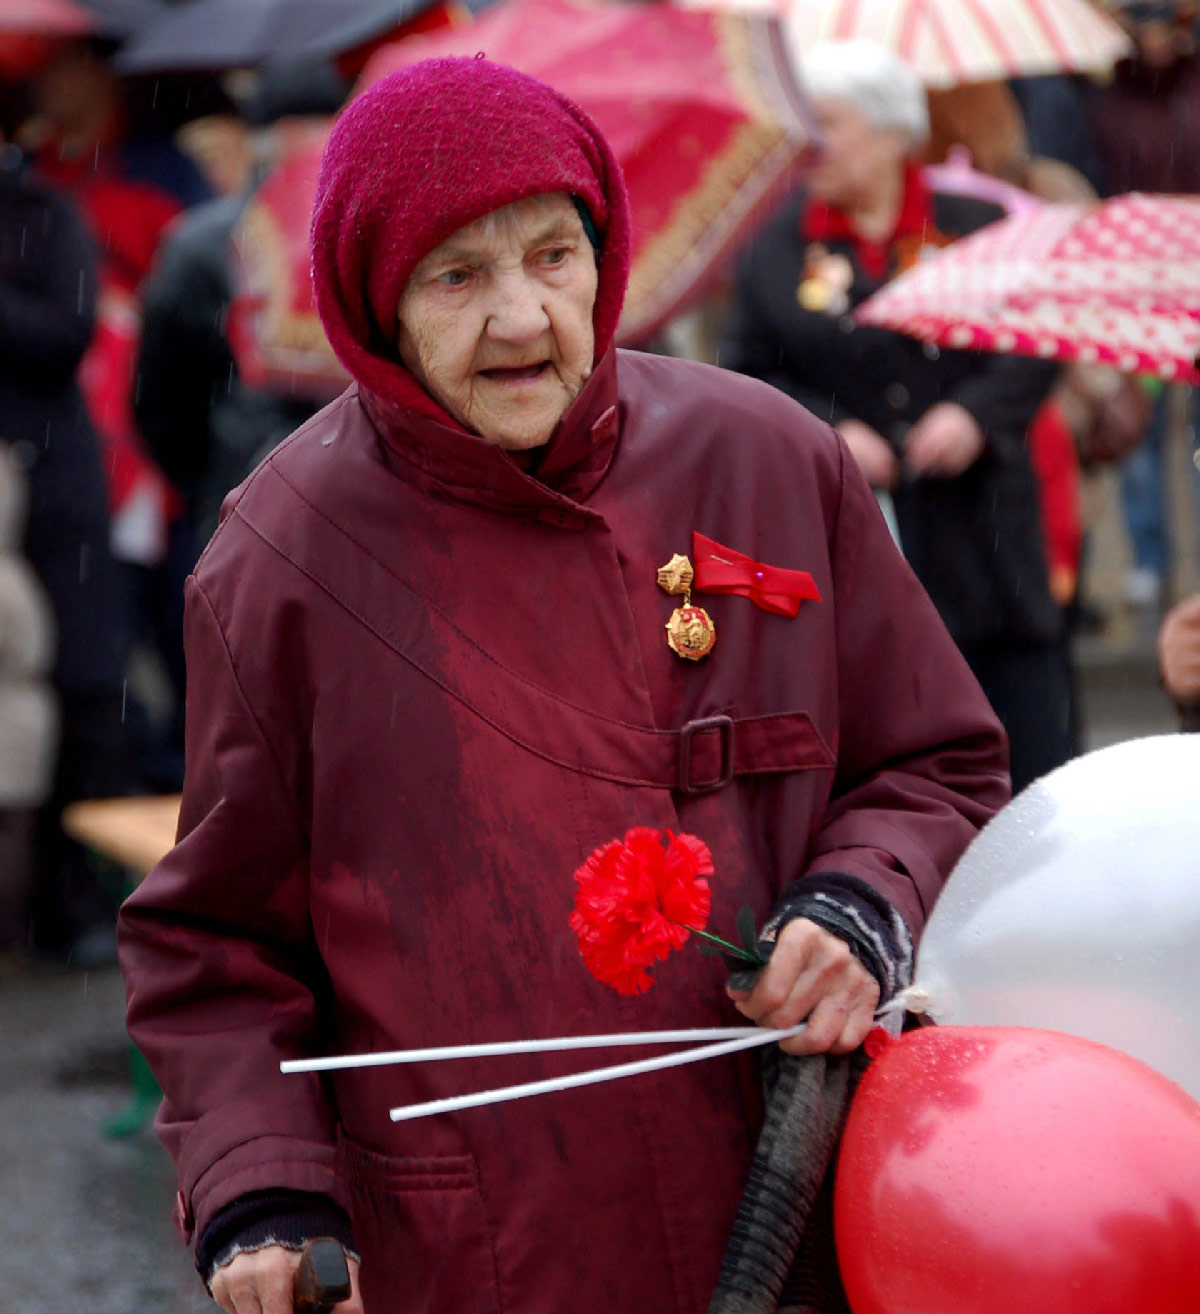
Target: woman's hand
{"x": 944, "y": 442}
{"x": 812, "y": 974}
{"x": 871, "y": 452}
{"x": 260, "y": 1282}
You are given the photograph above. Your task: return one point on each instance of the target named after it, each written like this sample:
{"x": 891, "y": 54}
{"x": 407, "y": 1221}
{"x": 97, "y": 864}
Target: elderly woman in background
{"x": 943, "y": 432}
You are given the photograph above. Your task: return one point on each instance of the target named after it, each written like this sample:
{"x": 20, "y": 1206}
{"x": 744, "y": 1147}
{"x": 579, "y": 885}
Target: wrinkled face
{"x": 855, "y": 154}
{"x": 496, "y": 322}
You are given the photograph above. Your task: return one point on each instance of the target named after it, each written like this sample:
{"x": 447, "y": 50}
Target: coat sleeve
{"x": 922, "y": 762}
{"x": 222, "y": 974}
{"x": 183, "y": 358}
{"x": 1003, "y": 395}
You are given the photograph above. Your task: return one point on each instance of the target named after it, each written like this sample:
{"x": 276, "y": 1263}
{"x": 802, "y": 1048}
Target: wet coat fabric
{"x": 424, "y": 684}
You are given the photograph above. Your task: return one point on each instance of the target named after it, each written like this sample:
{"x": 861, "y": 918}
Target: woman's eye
{"x": 454, "y": 277}
{"x": 555, "y": 255}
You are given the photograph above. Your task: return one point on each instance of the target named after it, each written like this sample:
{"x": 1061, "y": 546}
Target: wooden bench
{"x": 133, "y": 833}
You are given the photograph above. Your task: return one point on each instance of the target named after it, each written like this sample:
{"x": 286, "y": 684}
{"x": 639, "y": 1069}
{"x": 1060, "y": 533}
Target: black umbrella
{"x": 121, "y": 19}
{"x": 369, "y": 23}
{"x": 225, "y": 34}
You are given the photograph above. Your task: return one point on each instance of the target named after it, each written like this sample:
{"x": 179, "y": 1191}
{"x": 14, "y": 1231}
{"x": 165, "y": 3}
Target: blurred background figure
{"x": 941, "y": 433}
{"x": 1145, "y": 123}
{"x": 206, "y": 428}
{"x": 95, "y": 136}
{"x": 47, "y": 303}
{"x": 28, "y": 714}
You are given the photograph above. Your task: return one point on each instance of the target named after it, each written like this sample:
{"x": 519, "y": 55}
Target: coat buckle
{"x": 723, "y": 727}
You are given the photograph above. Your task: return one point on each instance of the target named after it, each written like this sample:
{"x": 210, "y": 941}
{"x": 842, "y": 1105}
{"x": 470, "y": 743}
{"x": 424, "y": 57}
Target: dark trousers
{"x": 68, "y": 897}
{"x": 1031, "y": 689}
{"x": 16, "y": 875}
{"x": 154, "y": 604}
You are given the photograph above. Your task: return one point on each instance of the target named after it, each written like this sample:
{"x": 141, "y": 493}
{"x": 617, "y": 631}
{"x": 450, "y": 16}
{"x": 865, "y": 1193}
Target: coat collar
{"x": 822, "y": 222}
{"x": 449, "y": 462}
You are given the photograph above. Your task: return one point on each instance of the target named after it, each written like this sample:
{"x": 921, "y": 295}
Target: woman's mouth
{"x": 516, "y": 373}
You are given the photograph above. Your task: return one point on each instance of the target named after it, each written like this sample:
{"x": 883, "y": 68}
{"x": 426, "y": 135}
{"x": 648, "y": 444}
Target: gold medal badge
{"x": 691, "y": 633}
{"x": 826, "y": 282}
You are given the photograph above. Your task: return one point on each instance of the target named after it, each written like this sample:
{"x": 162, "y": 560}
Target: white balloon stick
{"x": 495, "y": 1049}
{"x": 760, "y": 1036}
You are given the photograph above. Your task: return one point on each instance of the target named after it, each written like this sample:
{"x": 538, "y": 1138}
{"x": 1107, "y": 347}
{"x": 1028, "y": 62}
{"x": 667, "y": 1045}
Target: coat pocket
{"x": 423, "y": 1234}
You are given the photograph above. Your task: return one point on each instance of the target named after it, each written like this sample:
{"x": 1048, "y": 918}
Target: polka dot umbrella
{"x": 1114, "y": 283}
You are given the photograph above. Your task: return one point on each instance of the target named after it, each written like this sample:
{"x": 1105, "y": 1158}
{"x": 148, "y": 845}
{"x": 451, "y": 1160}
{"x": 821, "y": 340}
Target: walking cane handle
{"x": 322, "y": 1279}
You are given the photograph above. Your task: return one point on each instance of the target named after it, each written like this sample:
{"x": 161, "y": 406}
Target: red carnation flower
{"x": 636, "y": 900}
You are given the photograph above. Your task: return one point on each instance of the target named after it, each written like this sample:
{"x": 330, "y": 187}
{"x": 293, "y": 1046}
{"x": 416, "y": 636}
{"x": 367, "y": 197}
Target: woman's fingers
{"x": 813, "y": 975}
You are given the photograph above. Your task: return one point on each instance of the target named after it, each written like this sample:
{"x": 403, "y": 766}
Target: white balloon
{"x": 1077, "y": 909}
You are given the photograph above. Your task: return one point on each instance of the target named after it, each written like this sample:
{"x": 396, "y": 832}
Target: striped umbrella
{"x": 950, "y": 42}
{"x": 1115, "y": 283}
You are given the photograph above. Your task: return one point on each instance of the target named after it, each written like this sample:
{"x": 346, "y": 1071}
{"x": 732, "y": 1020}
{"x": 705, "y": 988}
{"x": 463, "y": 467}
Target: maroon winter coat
{"x": 423, "y": 686}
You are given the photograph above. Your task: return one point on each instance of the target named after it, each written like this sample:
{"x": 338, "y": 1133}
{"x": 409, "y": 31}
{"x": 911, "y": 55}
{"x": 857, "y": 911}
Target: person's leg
{"x": 1143, "y": 499}
{"x": 74, "y": 914}
{"x": 1193, "y": 447}
{"x": 160, "y": 756}
{"x": 16, "y": 875}
{"x": 1029, "y": 688}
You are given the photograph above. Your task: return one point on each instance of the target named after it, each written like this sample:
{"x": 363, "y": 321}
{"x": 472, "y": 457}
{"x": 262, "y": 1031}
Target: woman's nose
{"x": 517, "y": 313}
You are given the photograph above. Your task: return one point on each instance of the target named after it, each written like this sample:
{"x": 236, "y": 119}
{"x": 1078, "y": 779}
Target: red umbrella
{"x": 28, "y": 29}
{"x": 699, "y": 107}
{"x": 44, "y": 18}
{"x": 274, "y": 328}
{"x": 1115, "y": 283}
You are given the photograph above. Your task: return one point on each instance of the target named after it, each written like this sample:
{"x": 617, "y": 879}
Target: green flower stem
{"x": 728, "y": 948}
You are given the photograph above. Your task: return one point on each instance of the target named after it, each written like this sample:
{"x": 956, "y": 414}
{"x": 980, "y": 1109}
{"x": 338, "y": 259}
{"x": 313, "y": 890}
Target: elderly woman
{"x": 433, "y": 667}
{"x": 943, "y": 432}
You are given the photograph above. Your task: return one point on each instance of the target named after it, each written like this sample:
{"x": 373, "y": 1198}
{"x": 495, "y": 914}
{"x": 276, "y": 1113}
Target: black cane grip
{"x": 322, "y": 1279}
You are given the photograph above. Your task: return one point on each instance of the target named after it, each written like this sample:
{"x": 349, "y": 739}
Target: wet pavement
{"x": 85, "y": 1219}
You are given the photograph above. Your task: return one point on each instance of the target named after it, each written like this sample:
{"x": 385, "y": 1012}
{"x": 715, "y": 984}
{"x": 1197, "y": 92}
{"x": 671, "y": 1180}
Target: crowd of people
{"x": 124, "y": 423}
{"x": 381, "y": 582}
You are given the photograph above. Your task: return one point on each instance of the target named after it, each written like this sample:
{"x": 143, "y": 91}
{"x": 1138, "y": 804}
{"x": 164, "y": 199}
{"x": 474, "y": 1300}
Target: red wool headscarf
{"x": 418, "y": 155}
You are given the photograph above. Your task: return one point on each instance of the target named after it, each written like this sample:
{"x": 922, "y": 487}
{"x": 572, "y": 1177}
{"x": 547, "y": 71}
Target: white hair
{"x": 871, "y": 78}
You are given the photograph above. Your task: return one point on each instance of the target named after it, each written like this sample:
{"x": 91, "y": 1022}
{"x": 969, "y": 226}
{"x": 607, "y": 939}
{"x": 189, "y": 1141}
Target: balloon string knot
{"x": 913, "y": 999}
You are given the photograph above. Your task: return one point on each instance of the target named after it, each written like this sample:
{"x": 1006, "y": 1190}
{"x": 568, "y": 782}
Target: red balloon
{"x": 1006, "y": 1170}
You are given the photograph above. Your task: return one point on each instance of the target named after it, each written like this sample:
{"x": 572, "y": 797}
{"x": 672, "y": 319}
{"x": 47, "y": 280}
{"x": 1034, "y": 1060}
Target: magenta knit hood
{"x": 421, "y": 153}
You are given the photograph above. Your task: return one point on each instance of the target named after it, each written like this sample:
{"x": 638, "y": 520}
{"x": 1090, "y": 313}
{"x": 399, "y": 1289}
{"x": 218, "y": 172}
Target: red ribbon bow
{"x": 722, "y": 570}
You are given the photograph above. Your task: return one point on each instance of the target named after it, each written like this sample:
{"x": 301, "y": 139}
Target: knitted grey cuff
{"x": 849, "y": 908}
